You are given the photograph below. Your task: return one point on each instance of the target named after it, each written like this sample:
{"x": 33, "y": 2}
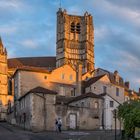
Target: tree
{"x": 129, "y": 112}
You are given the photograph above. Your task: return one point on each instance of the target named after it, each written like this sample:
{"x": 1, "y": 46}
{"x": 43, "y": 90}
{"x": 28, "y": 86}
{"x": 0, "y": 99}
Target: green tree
{"x": 129, "y": 112}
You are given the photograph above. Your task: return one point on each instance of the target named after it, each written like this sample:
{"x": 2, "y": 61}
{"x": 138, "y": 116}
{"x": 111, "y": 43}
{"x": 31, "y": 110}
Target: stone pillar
{"x": 79, "y": 79}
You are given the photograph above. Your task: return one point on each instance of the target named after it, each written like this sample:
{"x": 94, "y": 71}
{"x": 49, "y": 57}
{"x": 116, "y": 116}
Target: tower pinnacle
{"x": 1, "y": 44}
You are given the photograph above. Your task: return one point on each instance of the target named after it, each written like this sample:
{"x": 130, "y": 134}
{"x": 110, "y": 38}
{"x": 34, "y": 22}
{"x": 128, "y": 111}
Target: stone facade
{"x": 104, "y": 85}
{"x": 113, "y": 96}
{"x": 38, "y": 117}
{"x": 5, "y": 96}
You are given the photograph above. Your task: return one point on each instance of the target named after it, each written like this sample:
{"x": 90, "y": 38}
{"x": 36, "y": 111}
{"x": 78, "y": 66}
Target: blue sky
{"x": 28, "y": 28}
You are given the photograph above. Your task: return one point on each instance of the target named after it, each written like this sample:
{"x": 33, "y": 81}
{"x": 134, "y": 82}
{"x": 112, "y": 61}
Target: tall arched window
{"x": 78, "y": 28}
{"x": 72, "y": 27}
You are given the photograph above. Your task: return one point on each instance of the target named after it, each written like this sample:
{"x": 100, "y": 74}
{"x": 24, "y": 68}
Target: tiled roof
{"x": 86, "y": 95}
{"x": 92, "y": 80}
{"x": 33, "y": 69}
{"x": 43, "y": 62}
{"x": 42, "y": 90}
{"x": 39, "y": 90}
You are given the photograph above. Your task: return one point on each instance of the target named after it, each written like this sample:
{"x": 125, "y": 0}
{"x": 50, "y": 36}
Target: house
{"x": 37, "y": 110}
{"x": 112, "y": 93}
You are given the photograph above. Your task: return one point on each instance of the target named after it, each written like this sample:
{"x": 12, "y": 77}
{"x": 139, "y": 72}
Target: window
{"x": 45, "y": 77}
{"x": 117, "y": 91}
{"x": 9, "y": 87}
{"x": 75, "y": 28}
{"x": 82, "y": 104}
{"x": 63, "y": 76}
{"x": 90, "y": 88}
{"x": 62, "y": 90}
{"x": 72, "y": 92}
{"x": 111, "y": 104}
{"x": 96, "y": 105}
{"x": 72, "y": 27}
{"x": 104, "y": 89}
{"x": 78, "y": 28}
{"x": 71, "y": 77}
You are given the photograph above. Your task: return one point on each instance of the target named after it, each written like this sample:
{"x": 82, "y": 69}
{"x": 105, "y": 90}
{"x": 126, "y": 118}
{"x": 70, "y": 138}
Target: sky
{"x": 28, "y": 28}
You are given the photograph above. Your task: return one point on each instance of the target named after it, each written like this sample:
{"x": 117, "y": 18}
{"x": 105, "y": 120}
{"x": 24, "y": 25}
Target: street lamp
{"x": 115, "y": 116}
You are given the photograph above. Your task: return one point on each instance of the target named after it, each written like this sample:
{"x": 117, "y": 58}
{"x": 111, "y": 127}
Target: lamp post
{"x": 115, "y": 117}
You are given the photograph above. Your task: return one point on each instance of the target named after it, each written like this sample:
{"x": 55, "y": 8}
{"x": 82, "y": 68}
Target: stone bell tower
{"x": 75, "y": 40}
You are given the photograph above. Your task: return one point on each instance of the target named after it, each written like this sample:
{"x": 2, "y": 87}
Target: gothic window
{"x": 75, "y": 28}
{"x": 78, "y": 28}
{"x": 9, "y": 87}
{"x": 72, "y": 27}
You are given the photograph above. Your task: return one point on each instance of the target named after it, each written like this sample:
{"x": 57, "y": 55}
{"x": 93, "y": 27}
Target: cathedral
{"x": 37, "y": 90}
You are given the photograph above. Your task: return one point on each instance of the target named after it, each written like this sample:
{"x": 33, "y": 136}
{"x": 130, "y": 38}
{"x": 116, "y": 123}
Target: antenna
{"x": 60, "y": 4}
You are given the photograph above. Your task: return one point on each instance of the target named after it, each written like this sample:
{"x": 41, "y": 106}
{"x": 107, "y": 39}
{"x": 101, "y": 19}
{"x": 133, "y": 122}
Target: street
{"x": 8, "y": 132}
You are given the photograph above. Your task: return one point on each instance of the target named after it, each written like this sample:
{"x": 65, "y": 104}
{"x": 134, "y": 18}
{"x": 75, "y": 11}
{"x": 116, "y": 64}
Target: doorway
{"x": 72, "y": 121}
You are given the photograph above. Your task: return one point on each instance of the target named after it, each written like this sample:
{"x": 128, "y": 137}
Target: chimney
{"x": 127, "y": 84}
{"x": 79, "y": 79}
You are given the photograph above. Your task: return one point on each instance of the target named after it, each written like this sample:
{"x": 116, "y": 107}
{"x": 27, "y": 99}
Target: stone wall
{"x": 97, "y": 88}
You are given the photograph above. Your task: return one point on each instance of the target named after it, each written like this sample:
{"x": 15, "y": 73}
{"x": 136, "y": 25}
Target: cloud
{"x": 30, "y": 44}
{"x": 11, "y": 4}
{"x": 8, "y": 30}
{"x": 131, "y": 4}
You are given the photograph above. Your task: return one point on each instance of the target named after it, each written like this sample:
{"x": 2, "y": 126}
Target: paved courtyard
{"x": 8, "y": 132}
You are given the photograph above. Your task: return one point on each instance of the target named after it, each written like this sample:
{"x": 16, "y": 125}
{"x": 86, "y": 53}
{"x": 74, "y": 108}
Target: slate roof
{"x": 63, "y": 99}
{"x": 39, "y": 90}
{"x": 112, "y": 77}
{"x": 86, "y": 95}
{"x": 42, "y": 90}
{"x": 43, "y": 62}
{"x": 92, "y": 80}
